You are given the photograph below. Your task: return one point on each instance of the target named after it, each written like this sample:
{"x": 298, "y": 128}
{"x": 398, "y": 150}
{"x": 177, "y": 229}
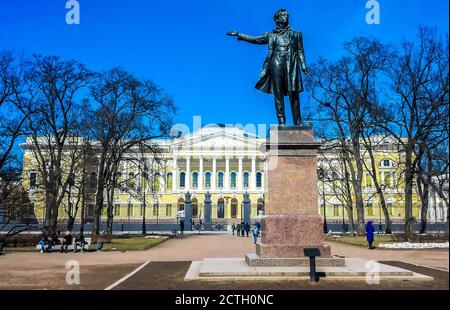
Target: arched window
{"x": 260, "y": 206}
{"x": 220, "y": 179}
{"x": 246, "y": 179}
{"x": 258, "y": 180}
{"x": 131, "y": 180}
{"x": 156, "y": 181}
{"x": 233, "y": 179}
{"x": 180, "y": 204}
{"x": 169, "y": 179}
{"x": 234, "y": 207}
{"x": 194, "y": 208}
{"x": 182, "y": 179}
{"x": 195, "y": 179}
{"x": 208, "y": 179}
{"x": 220, "y": 208}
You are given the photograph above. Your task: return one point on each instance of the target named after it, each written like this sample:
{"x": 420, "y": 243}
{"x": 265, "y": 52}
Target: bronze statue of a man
{"x": 280, "y": 74}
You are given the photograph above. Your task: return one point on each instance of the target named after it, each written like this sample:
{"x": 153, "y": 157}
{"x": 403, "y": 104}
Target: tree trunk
{"x": 110, "y": 211}
{"x": 360, "y": 212}
{"x": 409, "y": 176}
{"x": 351, "y": 221}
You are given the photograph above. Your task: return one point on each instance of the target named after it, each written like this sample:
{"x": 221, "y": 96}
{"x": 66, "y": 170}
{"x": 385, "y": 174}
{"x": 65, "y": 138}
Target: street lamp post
{"x": 322, "y": 177}
{"x": 144, "y": 205}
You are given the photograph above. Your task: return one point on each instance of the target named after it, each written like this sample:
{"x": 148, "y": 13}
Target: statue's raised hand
{"x": 232, "y": 33}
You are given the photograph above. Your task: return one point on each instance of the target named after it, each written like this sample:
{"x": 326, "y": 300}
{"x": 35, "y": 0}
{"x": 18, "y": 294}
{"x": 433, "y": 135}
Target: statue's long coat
{"x": 295, "y": 60}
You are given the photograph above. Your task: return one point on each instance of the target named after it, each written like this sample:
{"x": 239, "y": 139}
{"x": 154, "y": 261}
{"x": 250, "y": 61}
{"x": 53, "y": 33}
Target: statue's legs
{"x": 294, "y": 98}
{"x": 279, "y": 106}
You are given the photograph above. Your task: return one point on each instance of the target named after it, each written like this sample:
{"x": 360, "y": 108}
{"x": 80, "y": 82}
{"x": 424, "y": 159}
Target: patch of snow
{"x": 410, "y": 245}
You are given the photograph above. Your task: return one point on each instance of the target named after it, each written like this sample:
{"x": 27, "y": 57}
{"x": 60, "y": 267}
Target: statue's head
{"x": 281, "y": 17}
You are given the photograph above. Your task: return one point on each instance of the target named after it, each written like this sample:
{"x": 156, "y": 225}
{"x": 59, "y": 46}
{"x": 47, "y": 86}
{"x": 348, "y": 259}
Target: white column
{"x": 174, "y": 173}
{"x": 214, "y": 172}
{"x": 253, "y": 174}
{"x": 227, "y": 173}
{"x": 188, "y": 173}
{"x": 240, "y": 177}
{"x": 200, "y": 173}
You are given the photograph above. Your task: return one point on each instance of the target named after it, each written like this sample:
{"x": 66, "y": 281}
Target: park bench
{"x": 312, "y": 253}
{"x": 71, "y": 247}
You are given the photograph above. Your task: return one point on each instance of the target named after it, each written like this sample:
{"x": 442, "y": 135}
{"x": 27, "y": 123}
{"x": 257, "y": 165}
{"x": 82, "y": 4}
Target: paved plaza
{"x": 168, "y": 263}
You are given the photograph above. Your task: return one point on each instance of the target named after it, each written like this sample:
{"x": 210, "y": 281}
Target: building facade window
{"x": 194, "y": 208}
{"x": 370, "y": 209}
{"x": 156, "y": 181}
{"x": 92, "y": 182}
{"x": 181, "y": 204}
{"x": 169, "y": 179}
{"x": 33, "y": 177}
{"x": 195, "y": 180}
{"x": 220, "y": 179}
{"x": 168, "y": 210}
{"x": 258, "y": 180}
{"x": 208, "y": 179}
{"x": 155, "y": 209}
{"x": 233, "y": 179}
{"x": 336, "y": 210}
{"x": 369, "y": 180}
{"x": 246, "y": 179}
{"x": 117, "y": 210}
{"x": 130, "y": 210}
{"x": 234, "y": 207}
{"x": 260, "y": 206}
{"x": 220, "y": 208}
{"x": 182, "y": 179}
{"x": 390, "y": 208}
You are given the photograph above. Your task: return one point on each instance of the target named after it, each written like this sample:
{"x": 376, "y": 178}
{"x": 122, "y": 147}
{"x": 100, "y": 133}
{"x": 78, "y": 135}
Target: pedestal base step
{"x": 254, "y": 260}
{"x": 230, "y": 269}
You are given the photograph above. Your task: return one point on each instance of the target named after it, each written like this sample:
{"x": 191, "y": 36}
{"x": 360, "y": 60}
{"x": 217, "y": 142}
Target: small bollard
{"x": 312, "y": 253}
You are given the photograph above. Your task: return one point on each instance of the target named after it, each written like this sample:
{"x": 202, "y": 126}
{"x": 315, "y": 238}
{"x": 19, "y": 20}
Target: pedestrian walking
{"x": 370, "y": 234}
{"x": 247, "y": 228}
{"x": 233, "y": 228}
{"x": 182, "y": 226}
{"x": 255, "y": 232}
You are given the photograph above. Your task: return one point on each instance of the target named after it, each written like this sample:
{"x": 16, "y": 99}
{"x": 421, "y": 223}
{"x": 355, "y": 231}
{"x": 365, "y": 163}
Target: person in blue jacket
{"x": 370, "y": 234}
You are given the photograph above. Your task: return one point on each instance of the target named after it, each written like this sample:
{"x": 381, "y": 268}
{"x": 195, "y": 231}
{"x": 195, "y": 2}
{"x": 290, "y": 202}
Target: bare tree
{"x": 418, "y": 79}
{"x": 14, "y": 108}
{"x": 345, "y": 91}
{"x": 127, "y": 112}
{"x": 337, "y": 176}
{"x": 51, "y": 128}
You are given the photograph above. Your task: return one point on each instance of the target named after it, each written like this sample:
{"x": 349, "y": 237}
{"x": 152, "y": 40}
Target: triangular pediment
{"x": 218, "y": 138}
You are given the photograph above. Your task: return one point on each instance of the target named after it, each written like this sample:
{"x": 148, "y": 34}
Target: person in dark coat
{"x": 247, "y": 228}
{"x": 67, "y": 241}
{"x": 242, "y": 229}
{"x": 280, "y": 74}
{"x": 182, "y": 226}
{"x": 233, "y": 228}
{"x": 238, "y": 230}
{"x": 370, "y": 230}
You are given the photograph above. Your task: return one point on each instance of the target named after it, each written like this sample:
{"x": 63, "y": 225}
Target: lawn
{"x": 362, "y": 241}
{"x": 132, "y": 244}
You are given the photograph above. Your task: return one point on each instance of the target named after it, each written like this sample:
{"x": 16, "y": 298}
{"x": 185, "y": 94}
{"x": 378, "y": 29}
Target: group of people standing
{"x": 243, "y": 229}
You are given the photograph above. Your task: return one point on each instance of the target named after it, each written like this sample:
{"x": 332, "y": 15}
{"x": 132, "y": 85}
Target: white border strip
{"x": 126, "y": 277}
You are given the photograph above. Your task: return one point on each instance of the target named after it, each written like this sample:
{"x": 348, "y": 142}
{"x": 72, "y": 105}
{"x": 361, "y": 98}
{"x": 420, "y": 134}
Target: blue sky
{"x": 181, "y": 45}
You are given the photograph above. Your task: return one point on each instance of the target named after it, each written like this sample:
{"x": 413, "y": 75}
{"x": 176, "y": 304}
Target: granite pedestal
{"x": 292, "y": 222}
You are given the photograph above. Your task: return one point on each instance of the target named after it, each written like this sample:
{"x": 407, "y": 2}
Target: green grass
{"x": 131, "y": 244}
{"x": 362, "y": 241}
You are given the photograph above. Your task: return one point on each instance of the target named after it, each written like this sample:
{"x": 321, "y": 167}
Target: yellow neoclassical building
{"x": 226, "y": 162}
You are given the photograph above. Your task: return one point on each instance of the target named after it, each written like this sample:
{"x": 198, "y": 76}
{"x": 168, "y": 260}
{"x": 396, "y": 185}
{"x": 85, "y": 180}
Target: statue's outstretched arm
{"x": 264, "y": 39}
